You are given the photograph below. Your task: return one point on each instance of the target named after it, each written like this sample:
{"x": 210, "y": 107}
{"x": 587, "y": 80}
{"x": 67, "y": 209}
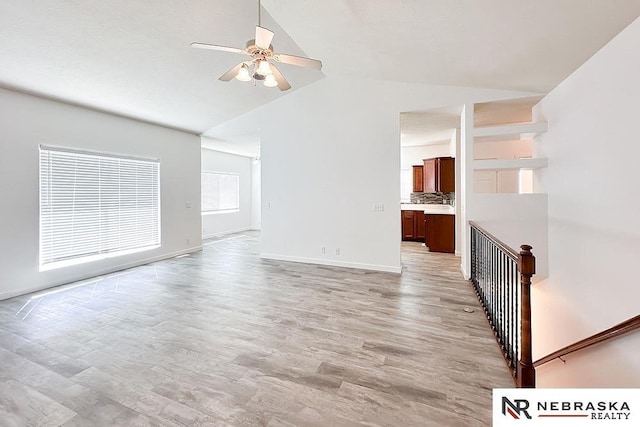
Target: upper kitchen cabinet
{"x": 418, "y": 180}
{"x": 439, "y": 175}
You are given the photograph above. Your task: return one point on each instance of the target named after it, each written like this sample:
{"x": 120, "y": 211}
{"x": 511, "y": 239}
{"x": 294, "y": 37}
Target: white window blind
{"x": 220, "y": 192}
{"x": 96, "y": 205}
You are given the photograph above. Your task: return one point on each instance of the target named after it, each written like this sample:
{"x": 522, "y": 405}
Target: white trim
{"x": 98, "y": 153}
{"x": 464, "y": 273}
{"x": 334, "y": 263}
{"x": 81, "y": 276}
{"x": 527, "y": 163}
{"x": 515, "y": 129}
{"x": 93, "y": 258}
{"x": 221, "y": 211}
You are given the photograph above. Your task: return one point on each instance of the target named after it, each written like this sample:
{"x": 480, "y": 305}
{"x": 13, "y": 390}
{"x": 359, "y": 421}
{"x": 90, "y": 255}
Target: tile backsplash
{"x": 434, "y": 198}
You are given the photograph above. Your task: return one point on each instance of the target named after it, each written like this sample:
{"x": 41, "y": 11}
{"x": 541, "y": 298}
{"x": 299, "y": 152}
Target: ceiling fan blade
{"x": 263, "y": 37}
{"x": 231, "y": 73}
{"x": 300, "y": 61}
{"x": 216, "y": 47}
{"x": 283, "y": 84}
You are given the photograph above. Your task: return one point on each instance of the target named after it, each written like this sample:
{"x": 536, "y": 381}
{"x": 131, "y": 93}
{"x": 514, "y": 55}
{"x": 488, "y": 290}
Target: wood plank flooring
{"x": 222, "y": 338}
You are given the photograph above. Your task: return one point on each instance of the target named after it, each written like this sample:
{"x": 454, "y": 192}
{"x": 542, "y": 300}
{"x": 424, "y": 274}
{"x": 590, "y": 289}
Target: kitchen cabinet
{"x": 441, "y": 233}
{"x": 439, "y": 175}
{"x": 418, "y": 180}
{"x": 413, "y": 226}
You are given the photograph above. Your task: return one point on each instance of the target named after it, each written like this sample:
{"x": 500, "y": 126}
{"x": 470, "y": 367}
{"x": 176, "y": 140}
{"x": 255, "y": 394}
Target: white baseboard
{"x": 334, "y": 263}
{"x": 97, "y": 273}
{"x": 225, "y": 232}
{"x": 464, "y": 272}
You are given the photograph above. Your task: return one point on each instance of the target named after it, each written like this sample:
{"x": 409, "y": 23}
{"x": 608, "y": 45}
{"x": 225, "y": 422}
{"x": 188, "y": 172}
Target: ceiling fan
{"x": 258, "y": 68}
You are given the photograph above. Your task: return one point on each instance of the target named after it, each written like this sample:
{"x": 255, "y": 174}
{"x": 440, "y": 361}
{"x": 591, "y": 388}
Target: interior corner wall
{"x": 591, "y": 182}
{"x": 217, "y": 224}
{"x": 27, "y": 122}
{"x": 464, "y": 199}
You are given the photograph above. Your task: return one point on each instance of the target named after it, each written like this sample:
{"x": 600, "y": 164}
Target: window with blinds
{"x": 96, "y": 205}
{"x": 220, "y": 192}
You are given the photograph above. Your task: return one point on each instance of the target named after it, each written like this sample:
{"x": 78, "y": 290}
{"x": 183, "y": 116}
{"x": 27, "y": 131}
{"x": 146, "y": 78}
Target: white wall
{"x": 25, "y": 123}
{"x": 256, "y": 195}
{"x": 593, "y": 150}
{"x": 217, "y": 224}
{"x": 330, "y": 150}
{"x": 503, "y": 150}
{"x": 464, "y": 197}
{"x": 516, "y": 219}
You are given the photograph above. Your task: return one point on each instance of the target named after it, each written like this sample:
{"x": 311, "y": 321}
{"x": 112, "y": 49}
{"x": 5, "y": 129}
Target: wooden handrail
{"x": 503, "y": 246}
{"x": 613, "y": 332}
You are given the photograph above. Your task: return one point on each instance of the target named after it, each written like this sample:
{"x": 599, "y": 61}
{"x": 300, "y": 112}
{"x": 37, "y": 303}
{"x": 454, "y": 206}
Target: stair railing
{"x": 501, "y": 278}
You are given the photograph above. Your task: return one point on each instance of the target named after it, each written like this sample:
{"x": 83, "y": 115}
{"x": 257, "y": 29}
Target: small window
{"x": 220, "y": 192}
{"x": 95, "y": 205}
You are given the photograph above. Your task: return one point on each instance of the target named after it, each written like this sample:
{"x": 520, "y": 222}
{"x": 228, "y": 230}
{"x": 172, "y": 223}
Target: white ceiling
{"x": 133, "y": 58}
{"x": 517, "y": 44}
{"x": 431, "y": 127}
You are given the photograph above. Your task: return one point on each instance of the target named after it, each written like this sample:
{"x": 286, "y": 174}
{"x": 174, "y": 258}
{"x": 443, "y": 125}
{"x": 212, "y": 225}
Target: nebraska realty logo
{"x": 566, "y": 407}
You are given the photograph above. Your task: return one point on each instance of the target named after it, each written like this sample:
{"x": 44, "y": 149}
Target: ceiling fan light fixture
{"x": 270, "y": 81}
{"x": 260, "y": 50}
{"x": 263, "y": 68}
{"x": 243, "y": 74}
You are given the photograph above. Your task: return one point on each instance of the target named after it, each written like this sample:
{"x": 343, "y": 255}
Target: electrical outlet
{"x": 377, "y": 207}
{"x": 187, "y": 205}
{"x": 188, "y": 241}
{"x": 337, "y": 251}
{"x": 323, "y": 250}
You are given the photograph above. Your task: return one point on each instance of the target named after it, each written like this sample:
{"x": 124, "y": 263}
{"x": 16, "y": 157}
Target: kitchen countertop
{"x": 429, "y": 208}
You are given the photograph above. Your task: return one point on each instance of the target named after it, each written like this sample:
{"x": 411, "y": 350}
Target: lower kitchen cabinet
{"x": 413, "y": 226}
{"x": 441, "y": 233}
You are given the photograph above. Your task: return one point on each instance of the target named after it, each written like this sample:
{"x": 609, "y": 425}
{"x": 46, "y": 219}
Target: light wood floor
{"x": 223, "y": 338}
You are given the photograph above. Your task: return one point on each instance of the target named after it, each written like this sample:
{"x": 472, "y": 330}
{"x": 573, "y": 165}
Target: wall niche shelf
{"x": 509, "y": 132}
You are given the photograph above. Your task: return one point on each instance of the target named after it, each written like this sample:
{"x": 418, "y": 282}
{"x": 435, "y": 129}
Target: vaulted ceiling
{"x": 133, "y": 58}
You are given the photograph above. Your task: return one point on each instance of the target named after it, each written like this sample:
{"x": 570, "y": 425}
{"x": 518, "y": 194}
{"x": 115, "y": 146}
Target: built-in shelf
{"x": 533, "y": 163}
{"x": 509, "y": 132}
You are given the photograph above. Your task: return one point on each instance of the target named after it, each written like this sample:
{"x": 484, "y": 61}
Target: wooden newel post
{"x": 526, "y": 377}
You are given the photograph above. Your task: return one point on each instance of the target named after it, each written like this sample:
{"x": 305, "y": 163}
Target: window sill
{"x": 91, "y": 258}
{"x": 227, "y": 211}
